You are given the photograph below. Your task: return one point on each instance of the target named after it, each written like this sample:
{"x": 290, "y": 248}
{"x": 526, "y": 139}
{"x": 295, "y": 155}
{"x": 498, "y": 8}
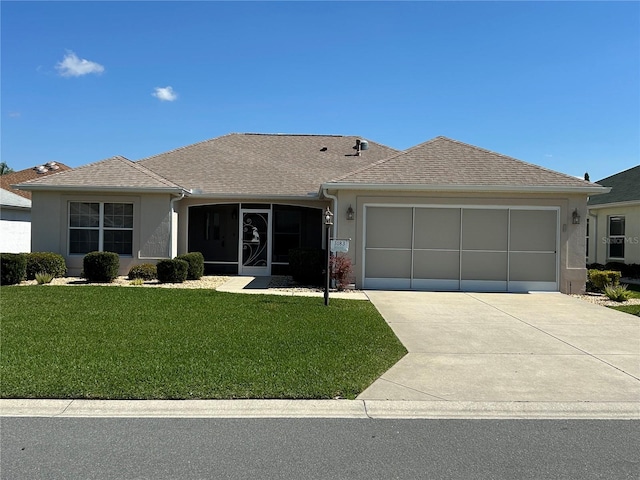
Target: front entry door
{"x": 255, "y": 234}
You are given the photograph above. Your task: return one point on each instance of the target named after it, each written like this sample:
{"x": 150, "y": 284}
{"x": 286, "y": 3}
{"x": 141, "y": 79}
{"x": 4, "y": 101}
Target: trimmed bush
{"x": 144, "y": 271}
{"x": 196, "y": 264}
{"x": 13, "y": 268}
{"x": 172, "y": 271}
{"x": 101, "y": 266}
{"x": 601, "y": 278}
{"x": 45, "y": 262}
{"x": 306, "y": 265}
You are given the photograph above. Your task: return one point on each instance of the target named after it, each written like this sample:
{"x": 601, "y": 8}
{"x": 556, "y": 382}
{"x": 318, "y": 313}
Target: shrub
{"x": 137, "y": 281}
{"x": 45, "y": 262}
{"x": 13, "y": 268}
{"x": 617, "y": 293}
{"x": 101, "y": 266}
{"x": 306, "y": 265}
{"x": 172, "y": 271}
{"x": 601, "y": 278}
{"x": 44, "y": 277}
{"x": 144, "y": 271}
{"x": 196, "y": 264}
{"x": 341, "y": 271}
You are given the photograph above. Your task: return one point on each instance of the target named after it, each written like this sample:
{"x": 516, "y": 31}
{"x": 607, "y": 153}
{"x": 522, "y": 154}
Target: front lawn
{"x": 632, "y": 309}
{"x": 143, "y": 343}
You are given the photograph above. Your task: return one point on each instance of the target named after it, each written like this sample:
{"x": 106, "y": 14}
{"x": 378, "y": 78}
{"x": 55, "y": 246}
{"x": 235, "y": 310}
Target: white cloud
{"x": 72, "y": 66}
{"x": 15, "y": 114}
{"x": 166, "y": 94}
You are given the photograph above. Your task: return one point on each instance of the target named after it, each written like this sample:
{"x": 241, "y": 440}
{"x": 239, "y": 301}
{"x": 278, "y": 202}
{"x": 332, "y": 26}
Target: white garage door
{"x": 461, "y": 248}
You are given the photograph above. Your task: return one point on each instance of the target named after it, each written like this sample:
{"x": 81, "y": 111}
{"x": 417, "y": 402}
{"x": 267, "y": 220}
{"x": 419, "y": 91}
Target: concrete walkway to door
{"x": 500, "y": 347}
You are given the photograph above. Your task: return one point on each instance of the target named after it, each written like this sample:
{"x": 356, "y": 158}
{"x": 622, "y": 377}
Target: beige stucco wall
{"x": 572, "y": 274}
{"x": 152, "y": 224}
{"x": 598, "y": 235}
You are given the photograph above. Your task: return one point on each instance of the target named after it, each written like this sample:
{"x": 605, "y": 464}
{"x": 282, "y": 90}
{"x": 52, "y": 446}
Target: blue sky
{"x": 552, "y": 83}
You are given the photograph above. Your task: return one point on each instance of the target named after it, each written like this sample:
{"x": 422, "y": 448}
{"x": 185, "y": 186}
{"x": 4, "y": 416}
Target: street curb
{"x": 356, "y": 409}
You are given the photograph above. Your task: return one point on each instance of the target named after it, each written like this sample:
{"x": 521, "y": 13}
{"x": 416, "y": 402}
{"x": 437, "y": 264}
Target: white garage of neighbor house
{"x": 443, "y": 215}
{"x": 15, "y": 223}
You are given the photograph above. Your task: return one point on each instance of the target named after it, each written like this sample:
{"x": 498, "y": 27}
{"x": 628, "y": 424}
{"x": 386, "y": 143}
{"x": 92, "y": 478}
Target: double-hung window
{"x": 616, "y": 237}
{"x": 100, "y": 226}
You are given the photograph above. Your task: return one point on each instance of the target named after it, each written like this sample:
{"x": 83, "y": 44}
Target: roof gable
{"x": 625, "y": 187}
{"x": 443, "y": 162}
{"x": 113, "y": 174}
{"x": 254, "y": 165}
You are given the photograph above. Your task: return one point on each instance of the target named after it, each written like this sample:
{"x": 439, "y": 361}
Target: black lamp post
{"x": 328, "y": 222}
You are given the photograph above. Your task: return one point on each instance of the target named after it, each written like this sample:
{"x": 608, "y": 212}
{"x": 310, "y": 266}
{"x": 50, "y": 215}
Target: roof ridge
{"x": 184, "y": 147}
{"x": 147, "y": 171}
{"x": 81, "y": 167}
{"x": 515, "y": 159}
{"x": 619, "y": 173}
{"x": 382, "y": 161}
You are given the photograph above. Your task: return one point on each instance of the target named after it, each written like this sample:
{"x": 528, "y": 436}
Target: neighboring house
{"x": 15, "y": 207}
{"x": 15, "y": 223}
{"x": 613, "y": 229}
{"x": 443, "y": 215}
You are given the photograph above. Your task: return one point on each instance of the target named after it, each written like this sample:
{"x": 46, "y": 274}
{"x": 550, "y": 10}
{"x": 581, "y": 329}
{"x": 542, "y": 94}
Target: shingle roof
{"x": 264, "y": 164}
{"x": 625, "y": 187}
{"x": 29, "y": 174}
{"x": 10, "y": 199}
{"x": 115, "y": 173}
{"x": 446, "y": 162}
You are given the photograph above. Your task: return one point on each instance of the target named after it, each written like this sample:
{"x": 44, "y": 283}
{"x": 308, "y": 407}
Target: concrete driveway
{"x": 493, "y": 347}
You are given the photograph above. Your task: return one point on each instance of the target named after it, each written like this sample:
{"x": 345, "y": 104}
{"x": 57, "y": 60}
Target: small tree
{"x": 4, "y": 168}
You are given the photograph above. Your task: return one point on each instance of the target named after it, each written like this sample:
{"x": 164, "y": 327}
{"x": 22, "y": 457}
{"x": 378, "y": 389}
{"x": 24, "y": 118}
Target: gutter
{"x": 69, "y": 188}
{"x": 466, "y": 188}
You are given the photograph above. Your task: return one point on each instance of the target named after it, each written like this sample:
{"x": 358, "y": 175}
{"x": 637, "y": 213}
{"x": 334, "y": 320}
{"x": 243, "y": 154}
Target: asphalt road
{"x": 109, "y": 448}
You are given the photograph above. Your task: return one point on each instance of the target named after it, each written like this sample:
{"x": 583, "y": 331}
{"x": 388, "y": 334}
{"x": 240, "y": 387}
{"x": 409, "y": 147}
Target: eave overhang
{"x": 101, "y": 189}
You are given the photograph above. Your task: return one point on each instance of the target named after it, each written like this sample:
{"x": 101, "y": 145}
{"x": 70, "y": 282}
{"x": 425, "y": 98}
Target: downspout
{"x": 173, "y": 229}
{"x": 593, "y": 233}
{"x": 335, "y": 212}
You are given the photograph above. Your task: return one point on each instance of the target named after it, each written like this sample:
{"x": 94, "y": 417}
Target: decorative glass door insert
{"x": 255, "y": 242}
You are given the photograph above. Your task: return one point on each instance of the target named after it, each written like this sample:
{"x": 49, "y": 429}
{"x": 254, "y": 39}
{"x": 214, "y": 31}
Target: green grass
{"x": 142, "y": 343}
{"x": 632, "y": 309}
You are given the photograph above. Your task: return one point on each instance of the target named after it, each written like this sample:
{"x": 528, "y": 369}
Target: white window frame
{"x": 611, "y": 238}
{"x": 101, "y": 228}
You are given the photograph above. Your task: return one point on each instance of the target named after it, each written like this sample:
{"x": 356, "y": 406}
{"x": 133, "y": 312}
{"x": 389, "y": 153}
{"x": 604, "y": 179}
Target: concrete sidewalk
{"x": 493, "y": 347}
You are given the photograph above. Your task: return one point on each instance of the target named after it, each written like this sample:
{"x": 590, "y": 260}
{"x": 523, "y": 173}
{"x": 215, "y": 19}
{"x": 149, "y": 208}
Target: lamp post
{"x": 328, "y": 222}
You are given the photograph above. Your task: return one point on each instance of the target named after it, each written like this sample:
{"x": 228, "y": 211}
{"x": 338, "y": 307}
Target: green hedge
{"x": 45, "y": 262}
{"x": 601, "y": 278}
{"x": 101, "y": 266}
{"x": 172, "y": 271}
{"x": 306, "y": 265}
{"x": 196, "y": 264}
{"x": 13, "y": 268}
{"x": 145, "y": 271}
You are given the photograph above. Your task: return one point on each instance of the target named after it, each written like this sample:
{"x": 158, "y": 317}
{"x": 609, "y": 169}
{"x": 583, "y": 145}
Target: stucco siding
{"x": 599, "y": 233}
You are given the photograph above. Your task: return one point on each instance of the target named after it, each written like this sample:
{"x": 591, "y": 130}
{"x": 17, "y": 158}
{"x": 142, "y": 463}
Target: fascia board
{"x": 240, "y": 196}
{"x": 466, "y": 188}
{"x": 74, "y": 188}
{"x": 629, "y": 203}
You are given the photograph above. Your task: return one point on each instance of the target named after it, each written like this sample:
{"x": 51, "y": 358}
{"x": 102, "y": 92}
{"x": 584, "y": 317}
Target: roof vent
{"x": 323, "y": 149}
{"x": 52, "y": 165}
{"x": 361, "y": 145}
{"x": 41, "y": 169}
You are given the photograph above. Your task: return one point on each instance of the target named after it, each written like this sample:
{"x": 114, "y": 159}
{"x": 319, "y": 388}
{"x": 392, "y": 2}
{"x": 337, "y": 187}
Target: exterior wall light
{"x": 575, "y": 217}
{"x": 350, "y": 213}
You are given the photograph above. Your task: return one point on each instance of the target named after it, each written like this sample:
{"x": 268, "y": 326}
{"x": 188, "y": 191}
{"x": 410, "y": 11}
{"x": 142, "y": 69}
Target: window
{"x": 616, "y": 237}
{"x": 99, "y": 226}
{"x": 587, "y": 240}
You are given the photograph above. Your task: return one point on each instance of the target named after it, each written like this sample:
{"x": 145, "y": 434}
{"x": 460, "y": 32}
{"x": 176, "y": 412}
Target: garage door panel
{"x": 437, "y": 228}
{"x": 389, "y": 227}
{"x": 533, "y": 230}
{"x": 484, "y": 266}
{"x": 432, "y": 264}
{"x": 532, "y": 267}
{"x": 484, "y": 229}
{"x": 388, "y": 264}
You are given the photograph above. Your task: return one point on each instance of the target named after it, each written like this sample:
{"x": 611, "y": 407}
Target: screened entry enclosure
{"x": 252, "y": 239}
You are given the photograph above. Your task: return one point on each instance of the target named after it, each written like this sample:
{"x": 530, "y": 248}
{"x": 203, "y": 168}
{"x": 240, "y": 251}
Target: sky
{"x": 555, "y": 84}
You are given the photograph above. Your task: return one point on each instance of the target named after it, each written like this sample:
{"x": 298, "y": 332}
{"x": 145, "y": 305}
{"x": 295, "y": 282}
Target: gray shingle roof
{"x": 625, "y": 187}
{"x": 446, "y": 162}
{"x": 115, "y": 173}
{"x": 246, "y": 164}
{"x": 10, "y": 199}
